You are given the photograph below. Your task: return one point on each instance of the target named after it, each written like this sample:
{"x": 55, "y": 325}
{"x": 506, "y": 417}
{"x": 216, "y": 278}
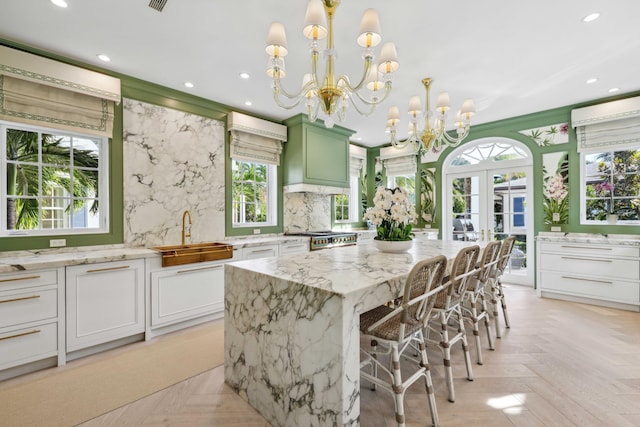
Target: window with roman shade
{"x": 255, "y": 139}
{"x": 42, "y": 92}
{"x": 254, "y": 148}
{"x": 608, "y": 126}
{"x": 399, "y": 161}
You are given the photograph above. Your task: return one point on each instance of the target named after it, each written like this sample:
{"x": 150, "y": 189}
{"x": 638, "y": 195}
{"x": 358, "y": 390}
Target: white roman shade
{"x": 47, "y": 93}
{"x": 609, "y": 126}
{"x": 357, "y": 159}
{"x": 254, "y": 139}
{"x": 399, "y": 161}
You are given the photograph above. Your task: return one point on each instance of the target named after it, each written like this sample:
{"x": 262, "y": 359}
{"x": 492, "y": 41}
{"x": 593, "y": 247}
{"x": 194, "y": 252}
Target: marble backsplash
{"x": 306, "y": 212}
{"x": 173, "y": 161}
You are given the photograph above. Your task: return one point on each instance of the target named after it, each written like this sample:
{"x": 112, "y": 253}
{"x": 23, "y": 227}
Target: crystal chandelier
{"x": 330, "y": 93}
{"x": 433, "y": 137}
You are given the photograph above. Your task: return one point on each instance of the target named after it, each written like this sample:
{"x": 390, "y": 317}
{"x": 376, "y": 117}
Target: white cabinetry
{"x": 30, "y": 327}
{"x": 186, "y": 292}
{"x": 596, "y": 273}
{"x": 262, "y": 251}
{"x": 105, "y": 302}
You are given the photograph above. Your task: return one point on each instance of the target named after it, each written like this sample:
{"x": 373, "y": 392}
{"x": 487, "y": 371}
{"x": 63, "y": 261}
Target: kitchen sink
{"x": 192, "y": 253}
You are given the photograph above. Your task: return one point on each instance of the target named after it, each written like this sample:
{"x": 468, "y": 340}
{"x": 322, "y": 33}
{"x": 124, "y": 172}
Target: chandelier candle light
{"x": 331, "y": 93}
{"x": 433, "y": 137}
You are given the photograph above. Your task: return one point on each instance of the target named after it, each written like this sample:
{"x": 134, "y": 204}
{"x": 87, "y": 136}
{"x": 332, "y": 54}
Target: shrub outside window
{"x": 253, "y": 193}
{"x": 53, "y": 182}
{"x": 611, "y": 185}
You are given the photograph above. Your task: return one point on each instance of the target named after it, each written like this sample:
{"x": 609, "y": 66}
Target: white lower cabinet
{"x": 105, "y": 302}
{"x": 603, "y": 274}
{"x": 30, "y": 326}
{"x": 186, "y": 292}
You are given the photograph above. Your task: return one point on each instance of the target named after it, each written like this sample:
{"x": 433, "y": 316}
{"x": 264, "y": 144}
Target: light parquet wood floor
{"x": 560, "y": 364}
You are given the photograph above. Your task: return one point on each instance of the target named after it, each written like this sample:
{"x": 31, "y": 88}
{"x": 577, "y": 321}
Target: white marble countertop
{"x": 36, "y": 259}
{"x": 609, "y": 239}
{"x": 245, "y": 242}
{"x": 53, "y": 258}
{"x": 12, "y": 261}
{"x": 351, "y": 268}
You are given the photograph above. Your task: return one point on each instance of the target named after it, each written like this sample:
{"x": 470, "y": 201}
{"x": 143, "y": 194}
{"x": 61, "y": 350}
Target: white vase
{"x": 393, "y": 246}
{"x": 612, "y": 218}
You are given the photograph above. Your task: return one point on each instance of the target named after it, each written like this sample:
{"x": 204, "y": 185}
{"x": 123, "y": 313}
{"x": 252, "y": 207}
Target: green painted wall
{"x": 146, "y": 92}
{"x": 509, "y": 128}
{"x": 159, "y": 95}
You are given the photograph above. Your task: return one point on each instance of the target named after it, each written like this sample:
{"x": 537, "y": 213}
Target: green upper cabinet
{"x": 316, "y": 155}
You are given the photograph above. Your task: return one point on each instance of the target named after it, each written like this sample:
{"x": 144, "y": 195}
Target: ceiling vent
{"x": 157, "y": 4}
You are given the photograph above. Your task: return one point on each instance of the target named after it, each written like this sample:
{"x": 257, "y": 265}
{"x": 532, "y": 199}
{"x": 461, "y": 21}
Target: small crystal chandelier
{"x": 331, "y": 93}
{"x": 433, "y": 137}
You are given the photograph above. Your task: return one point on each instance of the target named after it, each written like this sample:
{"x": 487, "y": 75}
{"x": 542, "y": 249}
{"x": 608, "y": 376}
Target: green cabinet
{"x": 315, "y": 155}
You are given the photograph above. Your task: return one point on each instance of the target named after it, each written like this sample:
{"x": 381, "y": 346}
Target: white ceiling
{"x": 511, "y": 57}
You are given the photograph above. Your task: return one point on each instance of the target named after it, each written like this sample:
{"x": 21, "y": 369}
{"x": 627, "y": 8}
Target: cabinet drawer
{"x": 584, "y": 249}
{"x": 294, "y": 247}
{"x": 260, "y": 252}
{"x": 590, "y": 287}
{"x": 10, "y": 281}
{"x": 26, "y": 345}
{"x": 627, "y": 269}
{"x": 24, "y": 307}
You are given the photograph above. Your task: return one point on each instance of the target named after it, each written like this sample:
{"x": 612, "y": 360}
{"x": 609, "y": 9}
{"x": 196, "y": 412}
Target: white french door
{"x": 490, "y": 200}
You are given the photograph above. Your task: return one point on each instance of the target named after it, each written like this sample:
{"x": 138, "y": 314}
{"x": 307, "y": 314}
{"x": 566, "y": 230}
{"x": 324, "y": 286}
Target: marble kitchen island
{"x": 291, "y": 327}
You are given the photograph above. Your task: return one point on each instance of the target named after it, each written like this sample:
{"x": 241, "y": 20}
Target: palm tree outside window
{"x": 52, "y": 182}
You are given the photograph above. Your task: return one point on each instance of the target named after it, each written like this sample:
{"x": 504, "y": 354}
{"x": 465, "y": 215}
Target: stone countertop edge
{"x": 11, "y": 262}
{"x": 607, "y": 239}
{"x": 37, "y": 259}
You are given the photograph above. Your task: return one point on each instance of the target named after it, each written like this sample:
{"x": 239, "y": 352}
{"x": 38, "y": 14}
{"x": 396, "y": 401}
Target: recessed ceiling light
{"x": 244, "y": 75}
{"x": 59, "y": 3}
{"x": 591, "y": 17}
{"x": 614, "y": 89}
{"x": 188, "y": 84}
{"x": 592, "y": 80}
{"x": 248, "y": 103}
{"x": 103, "y": 57}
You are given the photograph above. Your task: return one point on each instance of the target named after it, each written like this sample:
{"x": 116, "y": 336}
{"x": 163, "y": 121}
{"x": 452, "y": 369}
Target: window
{"x": 53, "y": 182}
{"x": 346, "y": 206}
{"x": 253, "y": 193}
{"x": 611, "y": 185}
{"x": 408, "y": 182}
{"x": 518, "y": 212}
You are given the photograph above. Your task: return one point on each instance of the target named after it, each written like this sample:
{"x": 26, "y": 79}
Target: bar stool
{"x": 401, "y": 328}
{"x": 474, "y": 304}
{"x": 446, "y": 311}
{"x": 495, "y": 283}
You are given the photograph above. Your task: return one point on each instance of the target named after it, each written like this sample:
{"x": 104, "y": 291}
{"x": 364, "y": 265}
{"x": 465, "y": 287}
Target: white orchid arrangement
{"x": 392, "y": 214}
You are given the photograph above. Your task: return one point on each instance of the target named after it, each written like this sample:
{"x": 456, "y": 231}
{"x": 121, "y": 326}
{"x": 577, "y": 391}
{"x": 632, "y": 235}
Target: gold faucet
{"x": 185, "y": 232}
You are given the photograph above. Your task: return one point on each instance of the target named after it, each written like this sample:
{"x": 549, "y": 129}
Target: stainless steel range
{"x": 328, "y": 239}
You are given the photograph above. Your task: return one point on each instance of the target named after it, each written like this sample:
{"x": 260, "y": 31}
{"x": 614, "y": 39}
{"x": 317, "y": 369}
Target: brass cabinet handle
{"x": 586, "y": 259}
{"x": 98, "y": 270}
{"x": 213, "y": 267}
{"x": 20, "y": 335}
{"x": 20, "y": 299}
{"x": 586, "y": 247}
{"x": 261, "y": 250}
{"x": 14, "y": 279}
{"x": 588, "y": 280}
